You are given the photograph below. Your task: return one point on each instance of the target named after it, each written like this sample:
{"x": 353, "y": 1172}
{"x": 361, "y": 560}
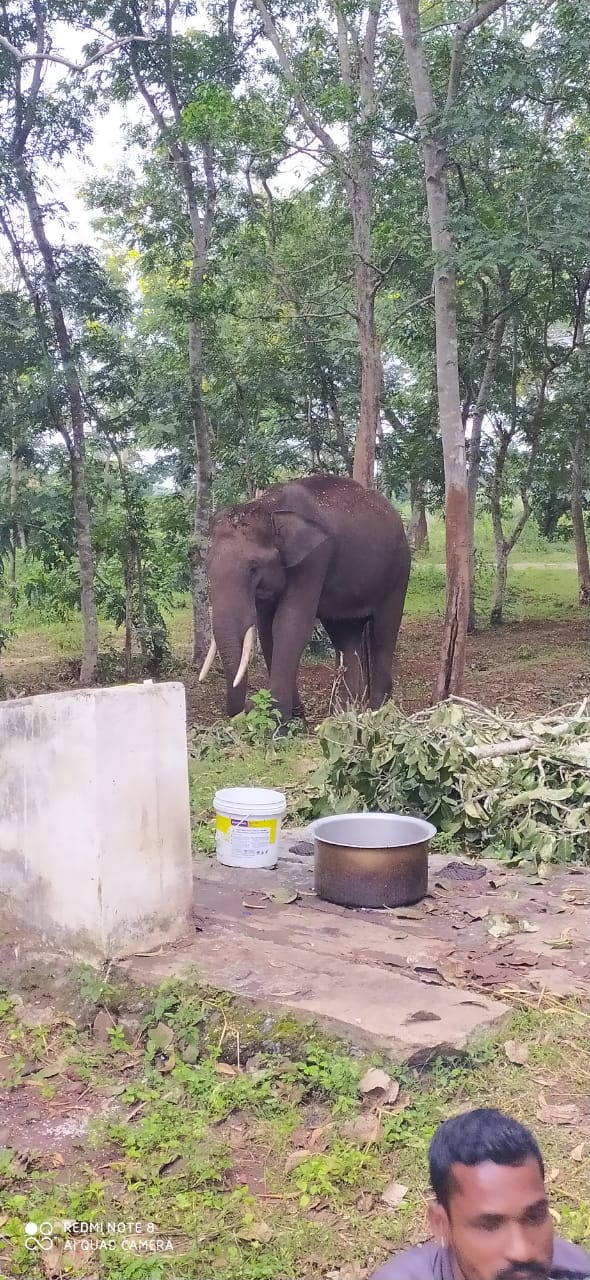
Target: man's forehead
{"x": 494, "y": 1187}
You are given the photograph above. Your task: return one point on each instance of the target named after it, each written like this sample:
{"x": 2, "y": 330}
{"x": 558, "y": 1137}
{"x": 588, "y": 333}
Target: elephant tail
{"x": 365, "y": 657}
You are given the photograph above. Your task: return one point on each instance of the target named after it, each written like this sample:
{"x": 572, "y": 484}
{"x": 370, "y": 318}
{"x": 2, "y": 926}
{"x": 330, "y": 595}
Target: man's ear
{"x": 439, "y": 1223}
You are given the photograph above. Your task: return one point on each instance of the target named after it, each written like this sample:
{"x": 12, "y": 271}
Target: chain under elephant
{"x": 322, "y": 547}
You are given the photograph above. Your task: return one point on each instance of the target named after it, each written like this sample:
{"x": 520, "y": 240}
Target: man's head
{"x": 491, "y": 1206}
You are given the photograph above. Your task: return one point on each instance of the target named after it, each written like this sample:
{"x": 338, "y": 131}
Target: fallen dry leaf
{"x": 225, "y": 1069}
{"x": 51, "y": 1262}
{"x": 172, "y": 1168}
{"x": 378, "y": 1088}
{"x": 256, "y": 902}
{"x": 422, "y": 1015}
{"x": 502, "y": 926}
{"x": 577, "y": 897}
{"x": 578, "y": 1152}
{"x": 562, "y": 943}
{"x": 161, "y": 1036}
{"x": 394, "y": 1194}
{"x": 257, "y": 1232}
{"x": 319, "y": 1137}
{"x": 453, "y": 971}
{"x": 296, "y": 1158}
{"x": 557, "y": 1113}
{"x": 516, "y": 1052}
{"x": 364, "y": 1129}
{"x": 374, "y": 1078}
{"x": 350, "y": 1271}
{"x": 282, "y": 895}
{"x": 102, "y": 1025}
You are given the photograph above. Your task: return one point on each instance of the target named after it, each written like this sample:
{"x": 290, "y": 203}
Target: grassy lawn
{"x": 247, "y": 1142}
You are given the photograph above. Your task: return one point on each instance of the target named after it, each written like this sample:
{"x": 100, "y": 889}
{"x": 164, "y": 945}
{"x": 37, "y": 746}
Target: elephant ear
{"x": 297, "y": 536}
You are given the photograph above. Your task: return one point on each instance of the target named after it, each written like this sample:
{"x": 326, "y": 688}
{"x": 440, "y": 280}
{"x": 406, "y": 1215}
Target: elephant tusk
{"x": 247, "y": 648}
{"x": 208, "y": 663}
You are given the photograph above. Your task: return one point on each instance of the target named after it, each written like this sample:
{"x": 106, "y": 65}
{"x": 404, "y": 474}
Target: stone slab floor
{"x": 412, "y": 982}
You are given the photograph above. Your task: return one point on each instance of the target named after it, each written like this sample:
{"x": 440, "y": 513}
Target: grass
{"x": 264, "y": 1169}
{"x": 534, "y": 592}
{"x": 285, "y": 766}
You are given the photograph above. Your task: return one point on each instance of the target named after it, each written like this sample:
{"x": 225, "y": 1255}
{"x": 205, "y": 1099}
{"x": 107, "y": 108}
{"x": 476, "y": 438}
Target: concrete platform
{"x": 413, "y": 983}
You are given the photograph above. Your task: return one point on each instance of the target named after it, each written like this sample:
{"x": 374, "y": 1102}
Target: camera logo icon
{"x": 39, "y": 1236}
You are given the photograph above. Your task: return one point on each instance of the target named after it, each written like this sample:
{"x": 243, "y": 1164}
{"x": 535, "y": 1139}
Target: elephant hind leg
{"x": 383, "y": 632}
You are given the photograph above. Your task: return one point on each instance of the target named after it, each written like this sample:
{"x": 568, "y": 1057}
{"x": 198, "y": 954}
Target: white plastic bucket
{"x": 248, "y": 826}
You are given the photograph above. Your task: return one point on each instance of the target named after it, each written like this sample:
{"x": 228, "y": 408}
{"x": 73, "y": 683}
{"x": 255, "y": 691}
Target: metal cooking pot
{"x": 371, "y": 859}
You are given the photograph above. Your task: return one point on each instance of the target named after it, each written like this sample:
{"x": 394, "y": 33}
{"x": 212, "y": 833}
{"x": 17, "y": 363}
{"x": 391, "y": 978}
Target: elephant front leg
{"x": 292, "y": 631}
{"x": 265, "y": 621}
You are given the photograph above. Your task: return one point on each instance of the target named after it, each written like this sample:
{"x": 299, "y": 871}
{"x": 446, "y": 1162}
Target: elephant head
{"x": 253, "y": 548}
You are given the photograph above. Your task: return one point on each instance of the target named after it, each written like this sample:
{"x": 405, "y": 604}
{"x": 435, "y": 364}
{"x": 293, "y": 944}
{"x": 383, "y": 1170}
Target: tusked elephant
{"x": 319, "y": 547}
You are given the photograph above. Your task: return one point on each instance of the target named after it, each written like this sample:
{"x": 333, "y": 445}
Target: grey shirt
{"x": 431, "y": 1262}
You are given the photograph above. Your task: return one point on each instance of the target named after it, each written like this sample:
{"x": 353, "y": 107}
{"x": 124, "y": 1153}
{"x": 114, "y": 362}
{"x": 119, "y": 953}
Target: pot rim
{"x": 424, "y": 830}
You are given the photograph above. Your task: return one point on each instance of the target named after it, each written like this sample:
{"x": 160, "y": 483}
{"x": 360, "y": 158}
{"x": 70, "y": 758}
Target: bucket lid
{"x": 250, "y": 802}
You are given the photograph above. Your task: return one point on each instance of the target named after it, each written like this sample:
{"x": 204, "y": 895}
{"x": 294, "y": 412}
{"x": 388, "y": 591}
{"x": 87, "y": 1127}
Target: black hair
{"x": 471, "y": 1139}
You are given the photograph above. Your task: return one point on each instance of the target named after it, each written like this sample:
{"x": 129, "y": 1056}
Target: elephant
{"x": 318, "y": 547}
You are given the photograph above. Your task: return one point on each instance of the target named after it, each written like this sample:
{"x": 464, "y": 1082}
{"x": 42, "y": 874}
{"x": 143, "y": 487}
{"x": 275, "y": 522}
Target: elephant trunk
{"x": 233, "y": 628}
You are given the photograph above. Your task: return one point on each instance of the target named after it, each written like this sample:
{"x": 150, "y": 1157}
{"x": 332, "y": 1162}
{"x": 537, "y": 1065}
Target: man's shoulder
{"x": 426, "y": 1262}
{"x": 570, "y": 1256}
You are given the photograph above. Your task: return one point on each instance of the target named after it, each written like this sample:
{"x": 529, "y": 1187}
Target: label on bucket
{"x": 248, "y": 837}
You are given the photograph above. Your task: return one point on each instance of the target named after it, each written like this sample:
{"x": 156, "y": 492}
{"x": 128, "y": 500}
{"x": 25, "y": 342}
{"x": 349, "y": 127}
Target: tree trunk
{"x": 203, "y": 495}
{"x": 14, "y": 473}
{"x": 496, "y": 616}
{"x": 141, "y": 628}
{"x": 75, "y": 443}
{"x": 127, "y": 566}
{"x": 417, "y": 530}
{"x": 359, "y": 191}
{"x": 481, "y": 407}
{"x": 86, "y": 561}
{"x": 577, "y": 512}
{"x": 198, "y": 193}
{"x": 452, "y": 661}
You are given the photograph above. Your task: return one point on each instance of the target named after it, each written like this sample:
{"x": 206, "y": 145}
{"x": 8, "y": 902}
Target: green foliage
{"x": 212, "y": 116}
{"x": 323, "y": 1175}
{"x": 324, "y": 1072}
{"x": 529, "y": 808}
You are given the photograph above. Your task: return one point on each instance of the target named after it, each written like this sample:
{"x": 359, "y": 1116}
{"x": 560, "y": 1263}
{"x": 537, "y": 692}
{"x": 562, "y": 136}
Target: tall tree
{"x": 43, "y": 124}
{"x": 185, "y": 79}
{"x": 433, "y": 125}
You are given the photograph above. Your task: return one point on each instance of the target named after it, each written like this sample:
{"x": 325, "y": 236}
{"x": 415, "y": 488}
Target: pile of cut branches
{"x": 512, "y": 789}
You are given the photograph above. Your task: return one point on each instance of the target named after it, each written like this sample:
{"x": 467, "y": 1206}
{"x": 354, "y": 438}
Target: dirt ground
{"x": 529, "y": 666}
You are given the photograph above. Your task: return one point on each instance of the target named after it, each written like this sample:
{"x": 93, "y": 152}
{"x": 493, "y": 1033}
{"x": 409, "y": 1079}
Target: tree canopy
{"x": 343, "y": 237}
